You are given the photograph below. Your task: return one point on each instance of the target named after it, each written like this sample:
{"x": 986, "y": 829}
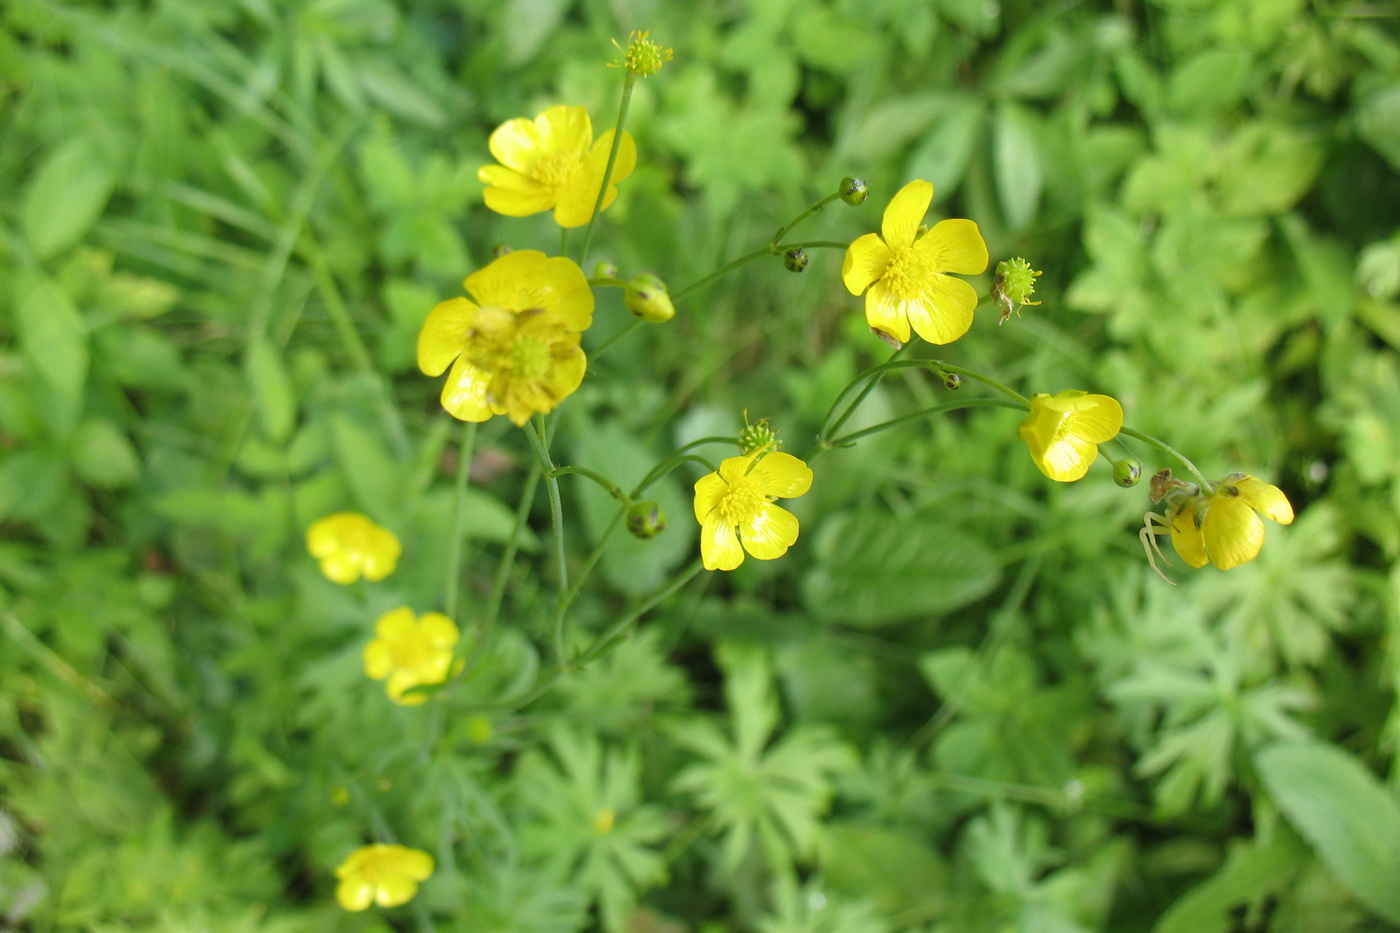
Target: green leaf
{"x": 1251, "y": 872}
{"x": 1213, "y": 80}
{"x": 274, "y": 396}
{"x": 895, "y": 869}
{"x": 868, "y": 576}
{"x": 104, "y": 456}
{"x": 945, "y": 152}
{"x": 1344, "y": 812}
{"x": 65, "y": 196}
{"x": 1378, "y": 122}
{"x": 1017, "y": 164}
{"x": 54, "y": 339}
{"x": 377, "y": 480}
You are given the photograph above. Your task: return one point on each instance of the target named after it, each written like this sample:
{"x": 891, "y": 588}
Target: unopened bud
{"x": 952, "y": 381}
{"x": 646, "y": 297}
{"x": 1127, "y": 472}
{"x": 853, "y": 190}
{"x": 606, "y": 270}
{"x": 795, "y": 260}
{"x": 645, "y": 519}
{"x": 501, "y": 249}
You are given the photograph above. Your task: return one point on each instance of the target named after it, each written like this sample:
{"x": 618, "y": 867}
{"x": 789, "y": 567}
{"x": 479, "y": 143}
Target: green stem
{"x": 629, "y": 81}
{"x": 498, "y": 586}
{"x": 1206, "y": 485}
{"x": 680, "y": 455}
{"x": 814, "y": 209}
{"x": 540, "y": 441}
{"x": 722, "y": 271}
{"x": 454, "y": 547}
{"x": 848, "y": 439}
{"x": 598, "y": 478}
{"x": 874, "y": 374}
{"x": 985, "y": 380}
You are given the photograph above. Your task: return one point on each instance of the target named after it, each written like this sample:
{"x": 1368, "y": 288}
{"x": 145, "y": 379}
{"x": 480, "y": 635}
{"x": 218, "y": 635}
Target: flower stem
{"x": 680, "y": 455}
{"x": 985, "y": 380}
{"x": 629, "y": 80}
{"x": 540, "y": 441}
{"x": 854, "y": 436}
{"x": 611, "y": 488}
{"x": 498, "y": 586}
{"x": 814, "y": 209}
{"x": 1170, "y": 451}
{"x": 454, "y": 549}
{"x": 874, "y": 374}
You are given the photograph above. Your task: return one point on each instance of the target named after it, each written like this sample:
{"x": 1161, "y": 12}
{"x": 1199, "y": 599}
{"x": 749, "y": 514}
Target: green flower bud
{"x": 795, "y": 260}
{"x": 952, "y": 381}
{"x": 1013, "y": 287}
{"x": 1127, "y": 472}
{"x": 757, "y": 436}
{"x": 646, "y": 297}
{"x": 501, "y": 250}
{"x": 646, "y": 520}
{"x": 606, "y": 270}
{"x": 853, "y": 190}
{"x": 641, "y": 57}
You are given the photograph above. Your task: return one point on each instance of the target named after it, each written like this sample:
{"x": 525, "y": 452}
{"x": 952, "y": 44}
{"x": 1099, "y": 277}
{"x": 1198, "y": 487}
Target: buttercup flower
{"x": 349, "y": 546}
{"x": 515, "y": 350}
{"x": 734, "y": 507}
{"x": 1224, "y": 528}
{"x": 906, "y": 272}
{"x": 410, "y": 651}
{"x": 1063, "y": 431}
{"x": 387, "y": 875}
{"x": 553, "y": 162}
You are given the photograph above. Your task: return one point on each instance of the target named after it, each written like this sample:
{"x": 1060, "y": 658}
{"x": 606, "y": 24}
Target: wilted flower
{"x": 1224, "y": 528}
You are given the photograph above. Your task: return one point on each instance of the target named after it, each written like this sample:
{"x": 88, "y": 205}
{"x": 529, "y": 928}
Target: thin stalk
{"x": 985, "y": 380}
{"x": 611, "y": 488}
{"x": 1170, "y": 451}
{"x": 540, "y": 441}
{"x": 629, "y": 81}
{"x": 874, "y": 374}
{"x": 459, "y": 510}
{"x": 854, "y": 436}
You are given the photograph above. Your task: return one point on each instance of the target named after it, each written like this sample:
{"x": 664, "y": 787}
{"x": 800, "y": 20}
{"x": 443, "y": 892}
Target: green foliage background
{"x": 961, "y": 703}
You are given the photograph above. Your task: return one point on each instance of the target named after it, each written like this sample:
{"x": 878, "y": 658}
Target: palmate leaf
{"x": 773, "y": 795}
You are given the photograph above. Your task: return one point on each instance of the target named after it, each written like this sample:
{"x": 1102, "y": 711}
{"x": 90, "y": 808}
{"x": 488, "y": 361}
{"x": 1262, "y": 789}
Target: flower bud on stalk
{"x": 646, "y": 520}
{"x": 646, "y": 297}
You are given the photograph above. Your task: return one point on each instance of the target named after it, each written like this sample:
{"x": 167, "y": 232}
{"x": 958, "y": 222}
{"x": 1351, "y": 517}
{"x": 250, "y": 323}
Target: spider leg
{"x": 1152, "y": 526}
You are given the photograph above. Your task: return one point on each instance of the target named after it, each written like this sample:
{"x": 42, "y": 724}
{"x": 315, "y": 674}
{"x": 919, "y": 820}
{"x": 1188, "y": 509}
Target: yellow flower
{"x": 386, "y": 875}
{"x": 410, "y": 651}
{"x": 349, "y": 546}
{"x": 1223, "y": 528}
{"x": 1063, "y": 431}
{"x": 905, "y": 272}
{"x": 553, "y": 162}
{"x": 735, "y": 506}
{"x": 515, "y": 350}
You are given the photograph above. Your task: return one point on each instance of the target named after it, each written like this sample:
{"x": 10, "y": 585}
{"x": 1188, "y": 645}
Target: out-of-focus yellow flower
{"x": 387, "y": 875}
{"x": 906, "y": 272}
{"x": 735, "y": 509}
{"x": 410, "y": 651}
{"x": 1063, "y": 431}
{"x": 553, "y": 162}
{"x": 1224, "y": 528}
{"x": 350, "y": 546}
{"x": 515, "y": 350}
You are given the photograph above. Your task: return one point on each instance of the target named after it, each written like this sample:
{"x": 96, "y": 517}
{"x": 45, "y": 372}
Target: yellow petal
{"x": 527, "y": 279}
{"x": 401, "y": 681}
{"x": 342, "y": 567}
{"x": 564, "y": 128}
{"x": 576, "y": 200}
{"x": 324, "y": 536}
{"x": 1067, "y": 459}
{"x": 1186, "y": 537}
{"x": 438, "y": 630}
{"x": 382, "y": 555}
{"x": 396, "y": 889}
{"x": 1267, "y": 499}
{"x": 769, "y": 533}
{"x": 955, "y": 246}
{"x": 886, "y": 312}
{"x": 942, "y": 312}
{"x": 783, "y": 475}
{"x": 905, "y": 212}
{"x": 379, "y": 660}
{"x": 866, "y": 261}
{"x": 443, "y": 334}
{"x": 516, "y": 144}
{"x": 416, "y": 864}
{"x": 464, "y": 395}
{"x": 354, "y": 893}
{"x": 709, "y": 489}
{"x": 1233, "y": 532}
{"x": 396, "y": 623}
{"x": 513, "y": 194}
{"x": 1096, "y": 418}
{"x": 719, "y": 546}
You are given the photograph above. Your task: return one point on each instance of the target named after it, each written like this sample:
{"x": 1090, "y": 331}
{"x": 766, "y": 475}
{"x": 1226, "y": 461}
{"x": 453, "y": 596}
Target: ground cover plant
{"x": 832, "y": 466}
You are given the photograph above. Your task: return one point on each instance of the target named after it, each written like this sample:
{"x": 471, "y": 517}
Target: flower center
{"x": 908, "y": 271}
{"x": 742, "y": 501}
{"x": 529, "y": 358}
{"x": 411, "y": 653}
{"x": 557, "y": 169}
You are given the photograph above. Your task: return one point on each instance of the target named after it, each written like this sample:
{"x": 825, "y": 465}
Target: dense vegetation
{"x": 961, "y": 702}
